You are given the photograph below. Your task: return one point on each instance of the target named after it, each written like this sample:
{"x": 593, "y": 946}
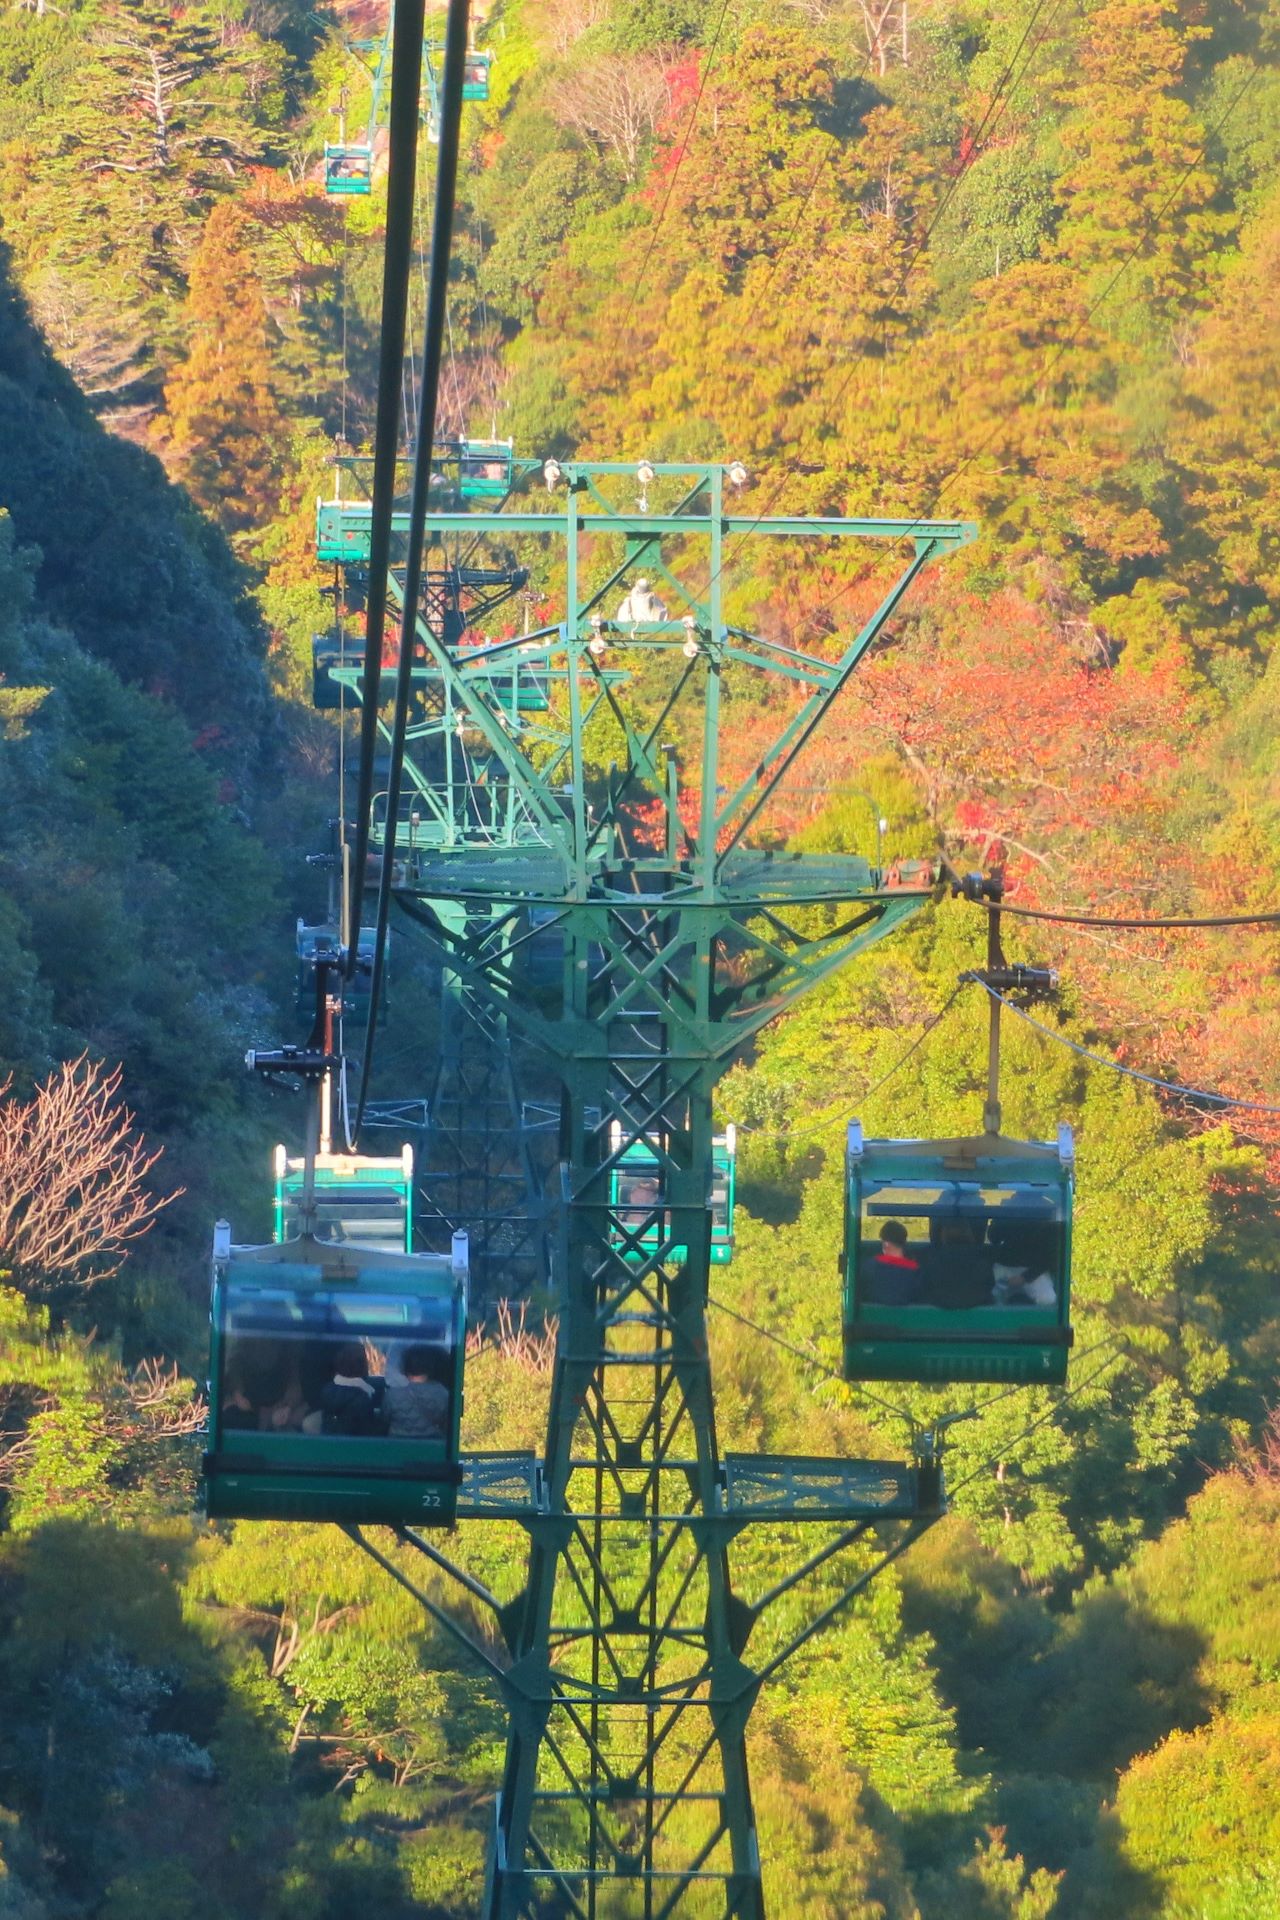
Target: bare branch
{"x": 615, "y": 101}
{"x": 72, "y": 1179}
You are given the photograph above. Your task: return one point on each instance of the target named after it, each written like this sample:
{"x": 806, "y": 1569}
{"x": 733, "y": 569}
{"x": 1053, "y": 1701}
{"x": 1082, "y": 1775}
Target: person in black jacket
{"x": 892, "y": 1278}
{"x": 353, "y": 1401}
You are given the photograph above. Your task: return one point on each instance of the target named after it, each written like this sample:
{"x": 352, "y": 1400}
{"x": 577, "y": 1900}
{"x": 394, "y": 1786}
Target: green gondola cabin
{"x": 348, "y": 169}
{"x": 485, "y": 468}
{"x": 475, "y": 74}
{"x": 635, "y": 1197}
{"x": 335, "y": 1382}
{"x": 957, "y": 1259}
{"x": 356, "y": 1198}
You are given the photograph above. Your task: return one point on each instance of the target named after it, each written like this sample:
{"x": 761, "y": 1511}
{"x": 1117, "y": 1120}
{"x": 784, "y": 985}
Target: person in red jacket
{"x": 893, "y": 1277}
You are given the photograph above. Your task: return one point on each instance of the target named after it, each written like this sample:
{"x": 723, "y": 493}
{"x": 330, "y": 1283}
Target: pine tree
{"x": 1226, "y": 438}
{"x": 1135, "y": 181}
{"x": 224, "y": 429}
{"x": 105, "y": 193}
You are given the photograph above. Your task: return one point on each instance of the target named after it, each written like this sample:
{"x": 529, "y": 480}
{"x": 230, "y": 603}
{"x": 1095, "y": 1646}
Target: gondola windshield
{"x": 354, "y": 1198}
{"x": 961, "y": 1244}
{"x": 366, "y": 1365}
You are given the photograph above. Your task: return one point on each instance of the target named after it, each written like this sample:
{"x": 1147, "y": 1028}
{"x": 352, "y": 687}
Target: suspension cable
{"x": 406, "y": 86}
{"x": 432, "y": 353}
{"x": 1095, "y": 920}
{"x": 1044, "y": 372}
{"x": 1051, "y": 1413}
{"x": 1130, "y": 1073}
{"x": 810, "y": 1360}
{"x": 823, "y": 1126}
{"x": 654, "y": 231}
{"x": 900, "y": 1413}
{"x": 997, "y": 106}
{"x": 1148, "y": 227}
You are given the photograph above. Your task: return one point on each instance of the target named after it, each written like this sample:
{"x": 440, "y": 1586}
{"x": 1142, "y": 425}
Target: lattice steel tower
{"x": 672, "y": 943}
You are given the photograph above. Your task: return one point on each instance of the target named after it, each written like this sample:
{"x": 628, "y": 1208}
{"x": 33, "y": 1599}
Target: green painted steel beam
{"x": 343, "y": 527}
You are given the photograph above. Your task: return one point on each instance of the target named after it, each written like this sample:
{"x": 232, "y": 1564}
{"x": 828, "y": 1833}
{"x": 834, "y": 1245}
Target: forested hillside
{"x": 1019, "y": 263}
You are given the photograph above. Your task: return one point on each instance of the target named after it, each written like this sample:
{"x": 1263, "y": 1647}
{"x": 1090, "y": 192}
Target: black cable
{"x": 821, "y": 1126}
{"x": 979, "y": 145}
{"x": 406, "y": 91}
{"x": 455, "y": 51}
{"x": 1129, "y": 1073}
{"x": 900, "y": 1413}
{"x": 684, "y": 147}
{"x": 1044, "y": 372}
{"x": 818, "y": 1366}
{"x": 1071, "y": 339}
{"x": 999, "y": 99}
{"x": 1093, "y": 920}
{"x": 1052, "y": 1413}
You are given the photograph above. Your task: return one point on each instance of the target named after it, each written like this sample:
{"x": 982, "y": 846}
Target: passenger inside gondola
{"x": 962, "y": 1248}
{"x": 893, "y": 1277}
{"x": 314, "y": 1365}
{"x": 418, "y": 1399}
{"x": 354, "y": 1400}
{"x": 961, "y": 1271}
{"x": 638, "y": 1196}
{"x": 239, "y": 1414}
{"x": 261, "y": 1392}
{"x": 1024, "y": 1259}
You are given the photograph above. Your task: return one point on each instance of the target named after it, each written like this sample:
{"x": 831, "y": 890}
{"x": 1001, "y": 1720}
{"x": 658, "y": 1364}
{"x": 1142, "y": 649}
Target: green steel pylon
{"x": 632, "y": 1672}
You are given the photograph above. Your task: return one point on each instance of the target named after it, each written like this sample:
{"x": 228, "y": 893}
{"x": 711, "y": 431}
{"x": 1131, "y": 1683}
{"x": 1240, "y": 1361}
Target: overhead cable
{"x": 671, "y": 180}
{"x": 900, "y": 1413}
{"x": 1095, "y": 920}
{"x": 1043, "y": 373}
{"x": 810, "y": 1360}
{"x": 434, "y": 332}
{"x": 406, "y": 93}
{"x": 999, "y": 101}
{"x": 1006, "y": 1447}
{"x": 1130, "y": 1073}
{"x": 824, "y": 1126}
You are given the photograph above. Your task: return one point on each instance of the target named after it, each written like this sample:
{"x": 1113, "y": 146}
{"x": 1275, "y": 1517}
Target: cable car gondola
{"x": 356, "y": 1198}
{"x": 348, "y": 168}
{"x": 635, "y": 1190}
{"x": 475, "y": 74}
{"x": 485, "y": 468}
{"x": 335, "y": 1383}
{"x": 957, "y": 1259}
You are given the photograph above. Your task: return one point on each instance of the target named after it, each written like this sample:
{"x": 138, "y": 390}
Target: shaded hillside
{"x": 122, "y": 561}
{"x": 139, "y": 913}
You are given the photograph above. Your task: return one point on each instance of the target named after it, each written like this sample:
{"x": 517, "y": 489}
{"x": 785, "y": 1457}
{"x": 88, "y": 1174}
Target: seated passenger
{"x": 352, "y": 1402}
{"x": 418, "y": 1401}
{"x": 289, "y": 1408}
{"x": 255, "y": 1377}
{"x": 1019, "y": 1287}
{"x": 892, "y": 1277}
{"x": 1024, "y": 1264}
{"x": 236, "y": 1410}
{"x": 961, "y": 1270}
{"x": 641, "y": 1198}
